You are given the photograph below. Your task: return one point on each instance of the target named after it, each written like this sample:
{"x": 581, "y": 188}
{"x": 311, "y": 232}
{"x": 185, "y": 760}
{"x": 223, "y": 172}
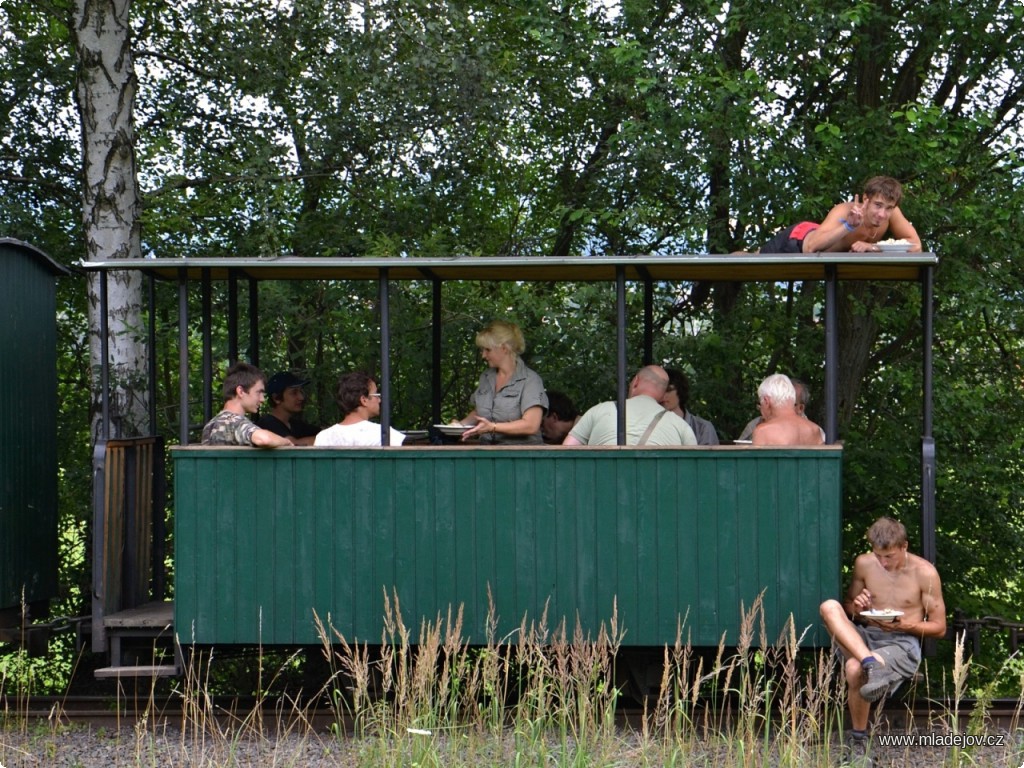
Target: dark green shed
{"x": 28, "y": 429}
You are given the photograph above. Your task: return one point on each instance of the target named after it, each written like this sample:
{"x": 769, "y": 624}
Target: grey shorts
{"x": 900, "y": 652}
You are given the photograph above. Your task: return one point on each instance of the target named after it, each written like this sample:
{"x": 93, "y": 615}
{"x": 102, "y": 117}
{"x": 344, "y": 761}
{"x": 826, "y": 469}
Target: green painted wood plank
{"x": 631, "y": 488}
{"x": 186, "y": 532}
{"x": 450, "y": 492}
{"x": 705, "y": 604}
{"x": 687, "y": 583}
{"x": 238, "y": 527}
{"x": 564, "y": 545}
{"x": 331, "y": 547}
{"x": 379, "y": 555}
{"x": 293, "y": 481}
{"x": 586, "y": 493}
{"x": 259, "y": 606}
{"x": 524, "y": 506}
{"x": 606, "y": 542}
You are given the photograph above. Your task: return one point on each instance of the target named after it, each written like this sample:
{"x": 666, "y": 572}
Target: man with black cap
{"x": 287, "y": 399}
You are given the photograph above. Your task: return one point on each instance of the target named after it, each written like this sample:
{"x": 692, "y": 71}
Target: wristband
{"x": 846, "y": 224}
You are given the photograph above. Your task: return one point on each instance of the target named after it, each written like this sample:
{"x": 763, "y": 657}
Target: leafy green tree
{"x": 412, "y": 127}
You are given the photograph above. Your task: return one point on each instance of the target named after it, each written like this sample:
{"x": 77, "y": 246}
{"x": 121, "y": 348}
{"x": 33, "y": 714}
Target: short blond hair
{"x": 501, "y": 333}
{"x": 886, "y": 533}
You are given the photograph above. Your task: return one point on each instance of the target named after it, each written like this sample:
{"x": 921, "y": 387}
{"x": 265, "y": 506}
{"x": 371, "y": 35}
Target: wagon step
{"x": 138, "y": 670}
{"x": 142, "y": 642}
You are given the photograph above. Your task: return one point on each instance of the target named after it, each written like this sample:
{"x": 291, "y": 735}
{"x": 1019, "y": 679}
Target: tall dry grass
{"x": 548, "y": 696}
{"x": 540, "y": 696}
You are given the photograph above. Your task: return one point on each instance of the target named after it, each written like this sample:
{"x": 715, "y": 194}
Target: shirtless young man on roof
{"x": 881, "y": 654}
{"x": 856, "y": 225}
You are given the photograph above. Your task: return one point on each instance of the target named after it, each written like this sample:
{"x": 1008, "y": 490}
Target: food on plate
{"x": 882, "y": 614}
{"x": 893, "y": 245}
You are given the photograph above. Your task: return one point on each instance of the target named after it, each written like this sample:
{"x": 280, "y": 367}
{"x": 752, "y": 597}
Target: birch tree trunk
{"x": 111, "y": 203}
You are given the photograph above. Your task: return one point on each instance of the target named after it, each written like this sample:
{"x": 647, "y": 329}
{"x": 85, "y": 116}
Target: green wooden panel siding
{"x": 28, "y": 427}
{"x": 674, "y": 536}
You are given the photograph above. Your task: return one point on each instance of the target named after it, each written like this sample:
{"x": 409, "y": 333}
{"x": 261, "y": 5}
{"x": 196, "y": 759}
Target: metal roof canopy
{"x": 829, "y": 268}
{"x": 727, "y": 268}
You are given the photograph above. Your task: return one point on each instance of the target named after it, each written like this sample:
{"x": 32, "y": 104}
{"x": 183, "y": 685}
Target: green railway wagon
{"x": 662, "y": 539}
{"x": 28, "y": 430}
{"x": 266, "y": 540}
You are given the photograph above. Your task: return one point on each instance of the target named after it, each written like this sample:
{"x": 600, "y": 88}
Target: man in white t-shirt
{"x": 359, "y": 401}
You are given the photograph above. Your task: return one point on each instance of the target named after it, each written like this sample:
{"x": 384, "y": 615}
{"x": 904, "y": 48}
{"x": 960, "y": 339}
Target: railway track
{"x": 172, "y": 711}
{"x": 273, "y": 714}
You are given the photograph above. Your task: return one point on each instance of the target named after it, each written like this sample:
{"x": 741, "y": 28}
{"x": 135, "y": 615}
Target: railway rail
{"x": 277, "y": 713}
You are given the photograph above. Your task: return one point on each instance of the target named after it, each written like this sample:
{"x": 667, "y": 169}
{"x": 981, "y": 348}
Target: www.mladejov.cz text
{"x": 960, "y": 740}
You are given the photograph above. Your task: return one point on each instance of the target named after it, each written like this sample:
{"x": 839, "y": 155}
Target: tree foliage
{"x": 413, "y": 127}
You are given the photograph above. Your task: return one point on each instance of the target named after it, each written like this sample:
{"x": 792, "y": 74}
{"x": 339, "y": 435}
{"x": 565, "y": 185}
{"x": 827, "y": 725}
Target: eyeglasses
{"x": 375, "y": 394}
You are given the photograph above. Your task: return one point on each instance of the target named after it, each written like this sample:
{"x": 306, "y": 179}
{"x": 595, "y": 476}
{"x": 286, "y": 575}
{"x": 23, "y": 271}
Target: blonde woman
{"x": 510, "y": 401}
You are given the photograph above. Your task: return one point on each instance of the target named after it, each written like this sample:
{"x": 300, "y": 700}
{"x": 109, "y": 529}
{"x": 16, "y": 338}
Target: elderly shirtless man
{"x": 881, "y": 654}
{"x": 781, "y": 423}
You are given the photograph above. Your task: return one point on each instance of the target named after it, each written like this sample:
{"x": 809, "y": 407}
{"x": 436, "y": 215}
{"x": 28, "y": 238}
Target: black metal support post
{"x": 207, "y": 335}
{"x": 620, "y": 308}
{"x": 183, "y": 408}
{"x": 104, "y": 361}
{"x": 151, "y": 357}
{"x": 831, "y": 355}
{"x": 436, "y": 341}
{"x": 928, "y": 468}
{"x": 232, "y": 316}
{"x": 648, "y": 320}
{"x": 385, "y": 357}
{"x": 254, "y": 322}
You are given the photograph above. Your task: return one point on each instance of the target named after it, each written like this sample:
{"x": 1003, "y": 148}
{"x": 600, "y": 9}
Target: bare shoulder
{"x": 901, "y": 228}
{"x": 839, "y": 211}
{"x": 863, "y": 562}
{"x": 919, "y": 562}
{"x": 924, "y": 568}
{"x": 764, "y": 433}
{"x": 811, "y": 433}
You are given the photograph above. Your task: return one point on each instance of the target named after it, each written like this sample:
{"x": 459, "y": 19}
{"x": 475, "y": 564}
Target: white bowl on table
{"x": 893, "y": 246}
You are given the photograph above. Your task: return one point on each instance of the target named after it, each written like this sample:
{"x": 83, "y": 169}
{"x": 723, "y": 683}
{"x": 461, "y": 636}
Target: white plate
{"x": 893, "y": 247}
{"x": 414, "y": 434}
{"x": 452, "y": 430}
{"x": 886, "y": 615}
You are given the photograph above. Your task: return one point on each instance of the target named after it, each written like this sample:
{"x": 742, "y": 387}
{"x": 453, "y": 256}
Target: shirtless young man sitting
{"x": 881, "y": 654}
{"x": 781, "y": 423}
{"x": 856, "y": 225}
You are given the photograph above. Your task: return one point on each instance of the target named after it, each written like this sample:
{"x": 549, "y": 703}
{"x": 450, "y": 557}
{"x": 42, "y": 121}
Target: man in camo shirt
{"x": 245, "y": 387}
